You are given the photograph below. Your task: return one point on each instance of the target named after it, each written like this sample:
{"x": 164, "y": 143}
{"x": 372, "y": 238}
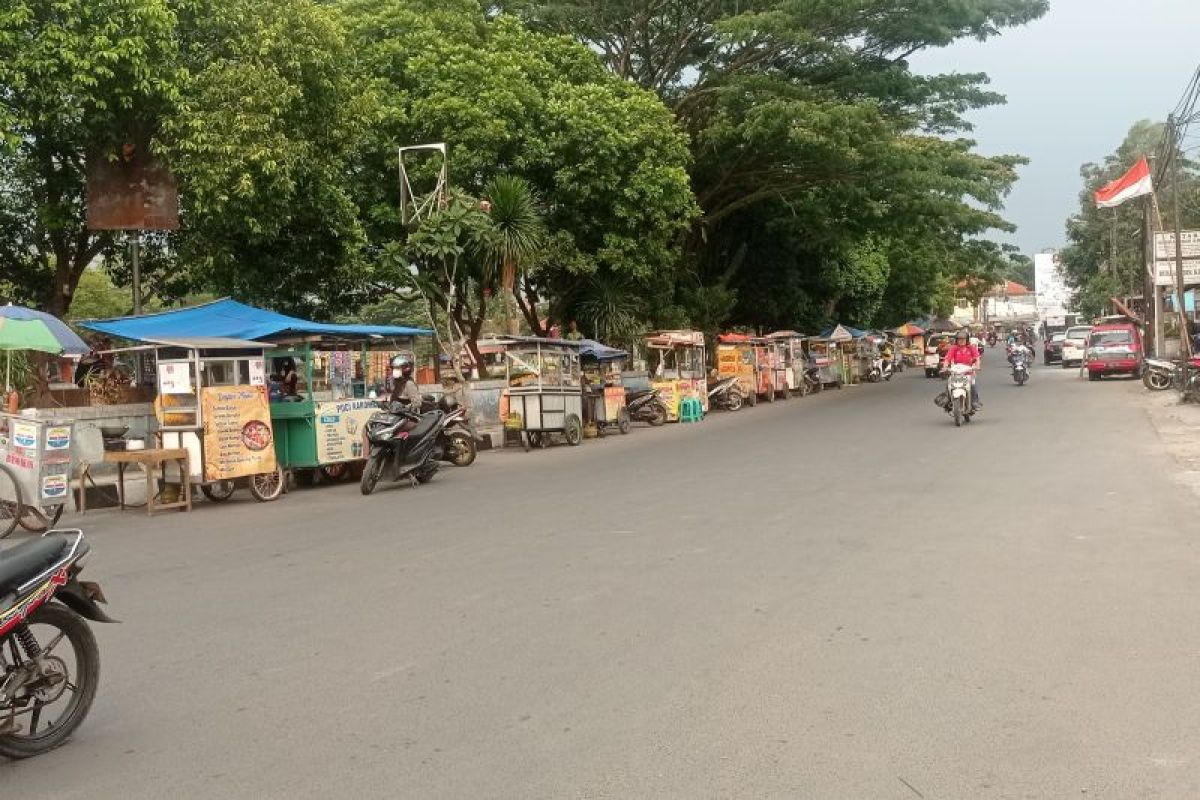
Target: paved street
{"x": 836, "y": 597}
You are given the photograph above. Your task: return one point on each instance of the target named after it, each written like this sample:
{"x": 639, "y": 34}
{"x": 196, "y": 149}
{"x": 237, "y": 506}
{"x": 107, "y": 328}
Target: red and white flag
{"x": 1134, "y": 183}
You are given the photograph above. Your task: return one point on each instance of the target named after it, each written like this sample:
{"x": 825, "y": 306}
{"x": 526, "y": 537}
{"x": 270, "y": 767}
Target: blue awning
{"x": 230, "y": 319}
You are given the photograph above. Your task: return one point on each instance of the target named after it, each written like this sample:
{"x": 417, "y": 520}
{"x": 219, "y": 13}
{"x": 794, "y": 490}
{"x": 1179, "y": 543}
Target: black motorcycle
{"x": 402, "y": 442}
{"x": 49, "y": 662}
{"x": 457, "y": 442}
{"x": 646, "y": 405}
{"x": 726, "y": 394}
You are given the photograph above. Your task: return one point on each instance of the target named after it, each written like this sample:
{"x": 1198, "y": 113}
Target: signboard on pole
{"x": 1164, "y": 258}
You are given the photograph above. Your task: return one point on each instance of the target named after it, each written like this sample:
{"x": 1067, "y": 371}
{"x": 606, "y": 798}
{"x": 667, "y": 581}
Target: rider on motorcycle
{"x": 404, "y": 386}
{"x": 962, "y": 352}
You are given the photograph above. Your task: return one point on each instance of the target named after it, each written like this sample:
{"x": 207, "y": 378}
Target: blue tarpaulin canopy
{"x": 842, "y": 333}
{"x": 230, "y": 319}
{"x": 590, "y": 348}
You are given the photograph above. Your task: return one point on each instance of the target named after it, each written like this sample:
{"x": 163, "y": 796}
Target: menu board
{"x": 237, "y": 432}
{"x": 340, "y": 429}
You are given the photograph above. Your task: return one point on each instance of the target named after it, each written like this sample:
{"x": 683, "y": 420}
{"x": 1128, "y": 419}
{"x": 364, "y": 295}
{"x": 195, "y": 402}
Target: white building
{"x": 1053, "y": 294}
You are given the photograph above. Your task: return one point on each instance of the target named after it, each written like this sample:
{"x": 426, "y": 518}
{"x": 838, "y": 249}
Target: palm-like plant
{"x": 517, "y": 230}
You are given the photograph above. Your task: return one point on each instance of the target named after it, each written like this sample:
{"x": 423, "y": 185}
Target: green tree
{"x": 1103, "y": 257}
{"x": 78, "y": 80}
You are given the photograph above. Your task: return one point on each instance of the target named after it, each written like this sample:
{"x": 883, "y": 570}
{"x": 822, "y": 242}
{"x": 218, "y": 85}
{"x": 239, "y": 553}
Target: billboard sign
{"x": 130, "y": 191}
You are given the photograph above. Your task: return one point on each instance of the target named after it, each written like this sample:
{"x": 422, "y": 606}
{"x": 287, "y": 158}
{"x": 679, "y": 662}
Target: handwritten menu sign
{"x": 237, "y": 432}
{"x": 340, "y": 426}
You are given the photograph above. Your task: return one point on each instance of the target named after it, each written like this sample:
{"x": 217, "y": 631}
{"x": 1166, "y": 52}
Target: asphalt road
{"x": 836, "y": 597}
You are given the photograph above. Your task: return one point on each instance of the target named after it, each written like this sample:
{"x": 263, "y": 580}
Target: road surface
{"x": 836, "y": 597}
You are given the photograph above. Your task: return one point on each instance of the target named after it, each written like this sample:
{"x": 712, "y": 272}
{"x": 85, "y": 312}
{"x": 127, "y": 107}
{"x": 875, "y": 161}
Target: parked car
{"x": 1114, "y": 348}
{"x": 1074, "y": 345}
{"x": 1052, "y": 348}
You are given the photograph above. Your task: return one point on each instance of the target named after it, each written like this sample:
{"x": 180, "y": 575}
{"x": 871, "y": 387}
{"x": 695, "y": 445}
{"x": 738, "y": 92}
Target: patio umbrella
{"x": 908, "y": 329}
{"x": 25, "y": 329}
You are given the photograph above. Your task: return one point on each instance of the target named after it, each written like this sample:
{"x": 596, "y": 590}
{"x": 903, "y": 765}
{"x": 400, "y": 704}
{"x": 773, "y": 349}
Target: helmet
{"x": 961, "y": 335}
{"x": 401, "y": 365}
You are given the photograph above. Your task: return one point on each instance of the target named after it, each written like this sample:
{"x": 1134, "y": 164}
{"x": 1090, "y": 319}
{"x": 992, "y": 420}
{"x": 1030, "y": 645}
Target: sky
{"x": 1076, "y": 80}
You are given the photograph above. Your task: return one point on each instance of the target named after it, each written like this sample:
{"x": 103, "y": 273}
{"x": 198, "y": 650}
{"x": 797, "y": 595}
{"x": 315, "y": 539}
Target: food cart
{"x": 827, "y": 357}
{"x": 793, "y": 354}
{"x": 319, "y": 428}
{"x": 757, "y": 363}
{"x": 35, "y": 471}
{"x": 603, "y": 387}
{"x": 543, "y": 395}
{"x": 212, "y": 402}
{"x": 676, "y": 362}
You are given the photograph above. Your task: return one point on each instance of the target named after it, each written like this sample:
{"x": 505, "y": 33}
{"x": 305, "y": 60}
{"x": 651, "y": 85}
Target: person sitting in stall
{"x": 289, "y": 379}
{"x": 404, "y": 386}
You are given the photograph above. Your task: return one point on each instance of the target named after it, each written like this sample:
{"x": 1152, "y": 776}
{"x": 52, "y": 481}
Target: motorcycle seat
{"x": 29, "y": 558}
{"x": 427, "y": 423}
{"x": 633, "y": 394}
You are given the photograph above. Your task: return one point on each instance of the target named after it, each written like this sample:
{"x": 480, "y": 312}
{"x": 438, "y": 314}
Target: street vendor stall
{"x": 603, "y": 387}
{"x": 35, "y": 455}
{"x": 911, "y": 340}
{"x": 830, "y": 361}
{"x": 793, "y": 355}
{"x": 319, "y": 377}
{"x": 757, "y": 363}
{"x": 544, "y": 393}
{"x": 677, "y": 368}
{"x": 850, "y": 356}
{"x": 212, "y": 403}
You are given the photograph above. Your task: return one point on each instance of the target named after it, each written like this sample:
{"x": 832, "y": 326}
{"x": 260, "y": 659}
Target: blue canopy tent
{"x": 226, "y": 318}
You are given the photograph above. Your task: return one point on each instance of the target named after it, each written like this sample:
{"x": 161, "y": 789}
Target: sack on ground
{"x": 942, "y": 400}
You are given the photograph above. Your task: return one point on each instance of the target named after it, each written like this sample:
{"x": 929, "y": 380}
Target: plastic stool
{"x": 691, "y": 410}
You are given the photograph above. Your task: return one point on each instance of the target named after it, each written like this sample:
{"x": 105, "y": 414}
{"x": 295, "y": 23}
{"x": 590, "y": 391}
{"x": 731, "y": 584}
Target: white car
{"x": 1074, "y": 345}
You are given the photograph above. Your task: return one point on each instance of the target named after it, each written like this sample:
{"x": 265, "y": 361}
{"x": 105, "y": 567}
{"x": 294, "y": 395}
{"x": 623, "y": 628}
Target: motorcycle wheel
{"x": 623, "y": 421}
{"x": 958, "y": 413}
{"x": 77, "y": 687}
{"x": 426, "y": 474}
{"x": 371, "y": 473}
{"x": 267, "y": 486}
{"x": 657, "y": 415}
{"x": 1021, "y": 379}
{"x": 1156, "y": 381}
{"x": 462, "y": 450}
{"x": 218, "y": 491}
{"x": 734, "y": 403}
{"x": 573, "y": 430}
{"x": 10, "y": 510}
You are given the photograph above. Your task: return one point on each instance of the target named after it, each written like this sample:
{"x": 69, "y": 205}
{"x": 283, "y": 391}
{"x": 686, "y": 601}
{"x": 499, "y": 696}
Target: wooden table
{"x": 149, "y": 460}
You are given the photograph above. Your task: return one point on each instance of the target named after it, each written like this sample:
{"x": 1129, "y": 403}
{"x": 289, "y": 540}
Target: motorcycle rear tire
{"x": 371, "y": 473}
{"x": 1156, "y": 381}
{"x": 462, "y": 448}
{"x": 958, "y": 413}
{"x": 1021, "y": 380}
{"x": 657, "y": 415}
{"x": 86, "y": 676}
{"x": 734, "y": 403}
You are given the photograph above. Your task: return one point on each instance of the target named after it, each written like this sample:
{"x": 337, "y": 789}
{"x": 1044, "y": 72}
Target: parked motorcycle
{"x": 881, "y": 370}
{"x": 404, "y": 442}
{"x": 1020, "y": 366}
{"x": 956, "y": 400}
{"x": 49, "y": 662}
{"x": 726, "y": 394}
{"x": 646, "y": 405}
{"x": 456, "y": 443}
{"x": 812, "y": 380}
{"x": 1159, "y": 374}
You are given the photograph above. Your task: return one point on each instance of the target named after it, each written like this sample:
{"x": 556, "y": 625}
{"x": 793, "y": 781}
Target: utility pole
{"x": 135, "y": 237}
{"x": 1185, "y": 345}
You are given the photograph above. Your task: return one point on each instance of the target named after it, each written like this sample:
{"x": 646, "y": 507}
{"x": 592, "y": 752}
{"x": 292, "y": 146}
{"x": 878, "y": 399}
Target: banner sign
{"x": 340, "y": 429}
{"x": 238, "y": 439}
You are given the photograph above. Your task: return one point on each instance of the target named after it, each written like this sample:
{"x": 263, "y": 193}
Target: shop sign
{"x": 340, "y": 429}
{"x": 58, "y": 438}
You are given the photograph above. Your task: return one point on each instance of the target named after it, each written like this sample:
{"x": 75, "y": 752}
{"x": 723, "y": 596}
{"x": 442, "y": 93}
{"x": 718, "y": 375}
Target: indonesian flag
{"x": 1134, "y": 183}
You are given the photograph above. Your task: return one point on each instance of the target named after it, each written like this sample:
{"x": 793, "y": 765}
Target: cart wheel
{"x": 267, "y": 486}
{"x": 40, "y": 520}
{"x": 10, "y": 509}
{"x": 623, "y": 421}
{"x": 573, "y": 430}
{"x": 218, "y": 491}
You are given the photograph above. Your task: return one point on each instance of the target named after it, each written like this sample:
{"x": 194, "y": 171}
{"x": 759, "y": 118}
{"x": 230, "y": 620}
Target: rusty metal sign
{"x": 130, "y": 191}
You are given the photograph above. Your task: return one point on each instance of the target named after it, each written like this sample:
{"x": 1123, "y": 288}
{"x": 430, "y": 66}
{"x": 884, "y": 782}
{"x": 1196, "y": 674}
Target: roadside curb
{"x": 1178, "y": 428}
